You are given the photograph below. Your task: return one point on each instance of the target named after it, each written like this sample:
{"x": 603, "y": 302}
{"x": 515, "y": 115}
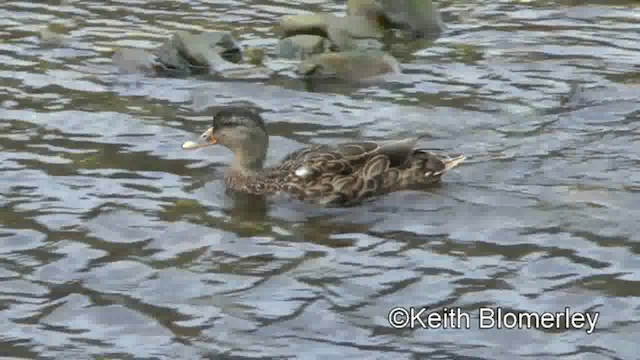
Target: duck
{"x": 334, "y": 175}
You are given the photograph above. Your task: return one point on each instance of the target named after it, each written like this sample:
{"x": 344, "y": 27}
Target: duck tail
{"x": 450, "y": 163}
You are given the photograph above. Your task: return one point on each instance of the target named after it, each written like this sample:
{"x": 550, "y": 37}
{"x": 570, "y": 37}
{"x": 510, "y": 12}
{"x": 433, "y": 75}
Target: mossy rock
{"x": 349, "y": 65}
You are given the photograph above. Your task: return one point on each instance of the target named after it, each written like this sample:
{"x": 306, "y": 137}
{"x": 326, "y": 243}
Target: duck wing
{"x": 344, "y": 172}
{"x": 355, "y": 153}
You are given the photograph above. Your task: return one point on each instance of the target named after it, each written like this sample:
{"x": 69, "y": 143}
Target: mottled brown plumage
{"x": 326, "y": 174}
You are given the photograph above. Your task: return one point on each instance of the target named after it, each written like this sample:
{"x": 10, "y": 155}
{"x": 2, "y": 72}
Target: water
{"x": 114, "y": 243}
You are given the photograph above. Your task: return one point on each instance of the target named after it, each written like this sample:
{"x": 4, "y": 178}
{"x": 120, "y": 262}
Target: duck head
{"x": 241, "y": 130}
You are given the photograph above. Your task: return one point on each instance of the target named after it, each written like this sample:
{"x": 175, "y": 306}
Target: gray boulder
{"x": 300, "y": 47}
{"x": 134, "y": 60}
{"x": 185, "y": 53}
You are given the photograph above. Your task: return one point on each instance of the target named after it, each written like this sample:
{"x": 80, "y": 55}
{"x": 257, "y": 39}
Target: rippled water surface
{"x": 115, "y": 243}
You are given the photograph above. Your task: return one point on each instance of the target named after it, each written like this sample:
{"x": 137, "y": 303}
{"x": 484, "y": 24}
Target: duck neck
{"x": 239, "y": 175}
{"x": 250, "y": 157}
{"x": 246, "y": 169}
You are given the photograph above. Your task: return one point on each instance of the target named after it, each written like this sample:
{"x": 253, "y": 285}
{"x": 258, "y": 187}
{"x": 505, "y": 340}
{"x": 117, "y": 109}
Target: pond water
{"x": 116, "y": 244}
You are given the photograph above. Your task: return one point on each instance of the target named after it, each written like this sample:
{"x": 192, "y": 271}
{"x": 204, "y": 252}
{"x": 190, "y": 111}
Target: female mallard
{"x": 324, "y": 174}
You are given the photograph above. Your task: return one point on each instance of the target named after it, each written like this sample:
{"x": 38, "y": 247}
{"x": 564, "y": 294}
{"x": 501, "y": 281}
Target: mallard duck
{"x": 331, "y": 175}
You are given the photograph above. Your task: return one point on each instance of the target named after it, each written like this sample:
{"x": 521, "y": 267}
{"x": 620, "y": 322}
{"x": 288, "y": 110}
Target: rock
{"x": 300, "y": 47}
{"x": 419, "y": 16}
{"x": 186, "y": 53}
{"x": 354, "y": 32}
{"x": 206, "y": 48}
{"x": 349, "y": 65}
{"x": 254, "y": 55}
{"x": 134, "y": 60}
{"x": 422, "y": 17}
{"x": 172, "y": 63}
{"x": 364, "y": 8}
{"x": 313, "y": 24}
{"x": 345, "y": 32}
{"x": 372, "y": 10}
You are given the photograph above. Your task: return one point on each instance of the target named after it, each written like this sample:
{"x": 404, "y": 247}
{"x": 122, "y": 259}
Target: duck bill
{"x": 205, "y": 139}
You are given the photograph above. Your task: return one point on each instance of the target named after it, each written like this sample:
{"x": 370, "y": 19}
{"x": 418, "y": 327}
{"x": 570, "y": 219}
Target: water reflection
{"x": 246, "y": 207}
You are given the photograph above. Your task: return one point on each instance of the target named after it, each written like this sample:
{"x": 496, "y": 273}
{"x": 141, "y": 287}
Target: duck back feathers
{"x": 349, "y": 172}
